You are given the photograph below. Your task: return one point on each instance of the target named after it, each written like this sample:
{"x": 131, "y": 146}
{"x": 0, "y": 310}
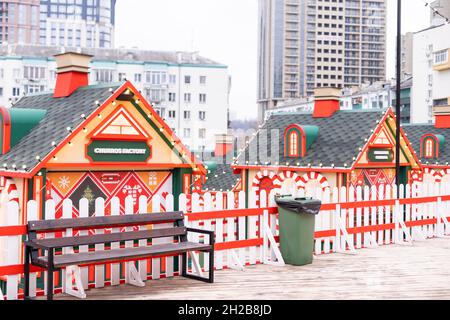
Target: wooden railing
{"x": 245, "y": 234}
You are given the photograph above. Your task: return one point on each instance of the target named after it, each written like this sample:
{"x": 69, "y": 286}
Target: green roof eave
{"x": 23, "y": 121}
{"x": 311, "y": 134}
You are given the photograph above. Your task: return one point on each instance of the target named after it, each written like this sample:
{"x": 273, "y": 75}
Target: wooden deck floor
{"x": 420, "y": 271}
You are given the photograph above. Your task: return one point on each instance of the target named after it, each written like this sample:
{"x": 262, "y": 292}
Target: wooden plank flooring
{"x": 419, "y": 271}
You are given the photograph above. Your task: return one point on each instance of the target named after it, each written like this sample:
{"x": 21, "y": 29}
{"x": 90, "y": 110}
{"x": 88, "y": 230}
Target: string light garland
{"x": 435, "y": 11}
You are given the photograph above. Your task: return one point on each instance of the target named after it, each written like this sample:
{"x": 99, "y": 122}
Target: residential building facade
{"x": 431, "y": 67}
{"x": 80, "y": 23}
{"x": 379, "y": 95}
{"x": 77, "y": 23}
{"x": 407, "y": 55}
{"x": 189, "y": 92}
{"x": 19, "y": 21}
{"x": 304, "y": 45}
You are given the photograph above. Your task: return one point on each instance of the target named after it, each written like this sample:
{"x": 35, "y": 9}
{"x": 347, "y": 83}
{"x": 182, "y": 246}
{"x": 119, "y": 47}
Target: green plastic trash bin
{"x": 296, "y": 222}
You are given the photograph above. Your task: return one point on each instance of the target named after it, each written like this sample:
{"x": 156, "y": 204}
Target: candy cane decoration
{"x": 313, "y": 176}
{"x": 8, "y": 185}
{"x": 437, "y": 175}
{"x": 259, "y": 177}
{"x": 291, "y": 175}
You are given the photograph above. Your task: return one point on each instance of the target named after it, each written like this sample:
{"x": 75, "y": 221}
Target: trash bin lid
{"x": 299, "y": 205}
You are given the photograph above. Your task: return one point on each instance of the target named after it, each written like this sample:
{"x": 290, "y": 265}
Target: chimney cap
{"x": 73, "y": 53}
{"x": 73, "y": 61}
{"x": 327, "y": 93}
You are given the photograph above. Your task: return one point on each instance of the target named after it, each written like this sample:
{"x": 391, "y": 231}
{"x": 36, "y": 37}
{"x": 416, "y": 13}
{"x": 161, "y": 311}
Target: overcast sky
{"x": 225, "y": 31}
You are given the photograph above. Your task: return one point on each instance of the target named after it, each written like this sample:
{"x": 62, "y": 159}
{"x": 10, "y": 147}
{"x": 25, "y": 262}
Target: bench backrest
{"x": 44, "y": 226}
{"x": 177, "y": 230}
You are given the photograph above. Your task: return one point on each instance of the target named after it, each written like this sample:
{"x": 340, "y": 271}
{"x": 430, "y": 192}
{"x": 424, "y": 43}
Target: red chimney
{"x": 442, "y": 115}
{"x": 73, "y": 72}
{"x": 224, "y": 145}
{"x": 327, "y": 102}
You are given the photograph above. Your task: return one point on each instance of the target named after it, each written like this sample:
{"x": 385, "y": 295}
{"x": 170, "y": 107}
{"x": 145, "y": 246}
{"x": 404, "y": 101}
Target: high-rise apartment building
{"x": 19, "y": 21}
{"x": 304, "y": 44}
{"x": 431, "y": 80}
{"x": 78, "y": 23}
{"x": 72, "y": 23}
{"x": 407, "y": 54}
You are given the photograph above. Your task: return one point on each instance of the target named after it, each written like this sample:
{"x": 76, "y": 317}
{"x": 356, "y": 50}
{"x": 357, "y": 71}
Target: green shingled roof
{"x": 60, "y": 113}
{"x": 337, "y": 142}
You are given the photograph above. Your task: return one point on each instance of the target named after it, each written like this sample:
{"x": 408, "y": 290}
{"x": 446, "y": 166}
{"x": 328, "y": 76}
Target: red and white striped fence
{"x": 245, "y": 235}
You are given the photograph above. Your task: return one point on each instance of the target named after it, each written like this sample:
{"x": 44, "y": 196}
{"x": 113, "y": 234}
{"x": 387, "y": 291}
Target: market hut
{"x": 327, "y": 148}
{"x": 89, "y": 141}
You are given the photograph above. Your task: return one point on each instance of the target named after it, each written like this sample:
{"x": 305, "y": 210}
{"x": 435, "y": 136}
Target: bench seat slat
{"x": 104, "y": 222}
{"x": 112, "y": 237}
{"x": 124, "y": 254}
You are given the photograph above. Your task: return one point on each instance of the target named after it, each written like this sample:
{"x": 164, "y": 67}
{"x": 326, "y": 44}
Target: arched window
{"x": 429, "y": 148}
{"x": 293, "y": 144}
{"x": 430, "y": 144}
{"x": 297, "y": 140}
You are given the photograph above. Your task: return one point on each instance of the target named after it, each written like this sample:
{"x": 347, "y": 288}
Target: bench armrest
{"x": 201, "y": 231}
{"x": 34, "y": 245}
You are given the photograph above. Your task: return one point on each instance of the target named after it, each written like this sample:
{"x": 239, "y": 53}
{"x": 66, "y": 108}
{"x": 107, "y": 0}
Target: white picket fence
{"x": 370, "y": 217}
{"x": 245, "y": 235}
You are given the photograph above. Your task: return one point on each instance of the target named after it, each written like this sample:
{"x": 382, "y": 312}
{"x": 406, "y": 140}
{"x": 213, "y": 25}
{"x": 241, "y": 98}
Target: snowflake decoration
{"x": 64, "y": 182}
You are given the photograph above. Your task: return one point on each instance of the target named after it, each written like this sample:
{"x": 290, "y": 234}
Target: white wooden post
{"x": 169, "y": 260}
{"x": 156, "y": 262}
{"x": 99, "y": 269}
{"x": 417, "y": 191}
{"x": 115, "y": 267}
{"x": 219, "y": 232}
{"x": 343, "y": 216}
{"x": 207, "y": 207}
{"x": 326, "y": 220}
{"x": 270, "y": 247}
{"x": 242, "y": 223}
{"x": 442, "y": 222}
{"x": 71, "y": 272}
{"x": 400, "y": 225}
{"x": 233, "y": 259}
{"x": 182, "y": 206}
{"x": 132, "y": 275}
{"x": 251, "y": 231}
{"x": 387, "y": 209}
{"x": 359, "y": 217}
{"x": 142, "y": 264}
{"x": 380, "y": 214}
{"x": 351, "y": 213}
{"x": 407, "y": 195}
{"x": 13, "y": 253}
{"x": 84, "y": 213}
{"x": 194, "y": 237}
{"x": 373, "y": 218}
{"x": 49, "y": 215}
{"x": 337, "y": 245}
{"x": 32, "y": 215}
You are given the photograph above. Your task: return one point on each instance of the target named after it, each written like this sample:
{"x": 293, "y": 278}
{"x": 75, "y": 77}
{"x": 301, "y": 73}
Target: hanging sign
{"x": 119, "y": 151}
{"x": 380, "y": 155}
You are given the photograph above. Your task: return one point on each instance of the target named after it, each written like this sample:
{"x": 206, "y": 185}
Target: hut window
{"x": 429, "y": 148}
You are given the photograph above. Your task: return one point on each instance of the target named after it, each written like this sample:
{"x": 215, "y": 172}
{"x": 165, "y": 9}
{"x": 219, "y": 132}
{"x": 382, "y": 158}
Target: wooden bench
{"x": 42, "y": 252}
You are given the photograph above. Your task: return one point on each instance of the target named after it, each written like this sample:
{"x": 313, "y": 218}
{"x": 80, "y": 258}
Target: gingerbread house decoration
{"x": 324, "y": 149}
{"x": 89, "y": 141}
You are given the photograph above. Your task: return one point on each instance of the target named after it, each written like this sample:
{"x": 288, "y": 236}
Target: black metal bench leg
{"x": 50, "y": 276}
{"x": 27, "y": 273}
{"x": 211, "y": 266}
{"x": 184, "y": 263}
